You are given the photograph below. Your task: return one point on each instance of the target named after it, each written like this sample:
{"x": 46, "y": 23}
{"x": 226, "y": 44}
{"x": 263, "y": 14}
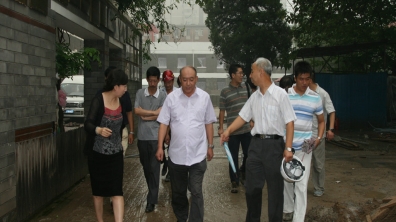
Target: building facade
{"x": 36, "y": 164}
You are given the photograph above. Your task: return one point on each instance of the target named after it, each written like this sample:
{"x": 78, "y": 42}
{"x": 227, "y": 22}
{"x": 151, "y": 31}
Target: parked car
{"x": 74, "y": 89}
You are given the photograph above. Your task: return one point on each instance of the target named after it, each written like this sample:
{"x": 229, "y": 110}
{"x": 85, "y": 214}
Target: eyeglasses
{"x": 240, "y": 73}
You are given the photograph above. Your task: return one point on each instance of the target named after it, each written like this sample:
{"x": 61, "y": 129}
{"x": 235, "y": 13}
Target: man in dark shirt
{"x": 232, "y": 99}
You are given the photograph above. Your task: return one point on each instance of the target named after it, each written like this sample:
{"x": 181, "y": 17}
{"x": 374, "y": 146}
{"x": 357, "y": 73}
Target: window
{"x": 162, "y": 63}
{"x": 202, "y": 62}
{"x": 181, "y": 62}
{"x": 220, "y": 64}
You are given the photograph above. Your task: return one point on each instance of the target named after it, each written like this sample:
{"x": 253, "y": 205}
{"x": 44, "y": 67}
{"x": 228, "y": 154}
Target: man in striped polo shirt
{"x": 232, "y": 100}
{"x": 306, "y": 103}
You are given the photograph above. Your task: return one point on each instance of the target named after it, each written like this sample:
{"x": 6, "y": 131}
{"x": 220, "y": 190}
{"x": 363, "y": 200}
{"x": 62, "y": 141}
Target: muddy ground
{"x": 356, "y": 182}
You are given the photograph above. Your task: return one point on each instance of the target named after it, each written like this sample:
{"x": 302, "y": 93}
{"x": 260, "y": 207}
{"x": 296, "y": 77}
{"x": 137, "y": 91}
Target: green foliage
{"x": 243, "y": 30}
{"x": 148, "y": 15}
{"x": 344, "y": 22}
{"x": 69, "y": 63}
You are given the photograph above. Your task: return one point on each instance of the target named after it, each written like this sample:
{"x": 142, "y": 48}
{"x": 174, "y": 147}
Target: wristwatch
{"x": 332, "y": 130}
{"x": 290, "y": 149}
{"x": 131, "y": 132}
{"x": 211, "y": 146}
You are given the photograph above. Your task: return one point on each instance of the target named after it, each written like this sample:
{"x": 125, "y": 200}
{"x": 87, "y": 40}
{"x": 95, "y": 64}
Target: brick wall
{"x": 27, "y": 86}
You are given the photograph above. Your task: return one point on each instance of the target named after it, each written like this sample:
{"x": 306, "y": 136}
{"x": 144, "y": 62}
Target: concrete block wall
{"x": 27, "y": 86}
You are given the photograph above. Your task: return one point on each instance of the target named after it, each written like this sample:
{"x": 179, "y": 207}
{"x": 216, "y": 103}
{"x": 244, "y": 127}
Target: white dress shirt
{"x": 270, "y": 112}
{"x": 187, "y": 117}
{"x": 327, "y": 108}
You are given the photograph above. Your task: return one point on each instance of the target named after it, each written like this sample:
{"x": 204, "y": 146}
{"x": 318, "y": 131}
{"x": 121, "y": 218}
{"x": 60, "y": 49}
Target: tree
{"x": 344, "y": 22}
{"x": 146, "y": 14}
{"x": 69, "y": 63}
{"x": 243, "y": 30}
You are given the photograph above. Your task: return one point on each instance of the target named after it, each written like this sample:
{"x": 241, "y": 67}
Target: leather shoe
{"x": 234, "y": 187}
{"x": 150, "y": 208}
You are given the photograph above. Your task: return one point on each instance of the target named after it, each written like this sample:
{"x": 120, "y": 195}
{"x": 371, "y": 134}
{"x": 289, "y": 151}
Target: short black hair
{"x": 233, "y": 69}
{"x": 153, "y": 71}
{"x": 286, "y": 81}
{"x": 108, "y": 70}
{"x": 302, "y": 67}
{"x": 115, "y": 78}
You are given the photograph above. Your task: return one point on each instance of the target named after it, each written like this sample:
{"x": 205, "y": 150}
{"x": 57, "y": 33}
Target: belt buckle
{"x": 264, "y": 136}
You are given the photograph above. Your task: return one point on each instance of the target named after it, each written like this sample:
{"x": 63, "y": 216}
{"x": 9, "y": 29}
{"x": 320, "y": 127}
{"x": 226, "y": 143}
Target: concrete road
{"x": 360, "y": 172}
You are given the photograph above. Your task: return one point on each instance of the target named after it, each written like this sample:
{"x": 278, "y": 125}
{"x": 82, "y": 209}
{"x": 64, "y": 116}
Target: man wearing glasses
{"x": 232, "y": 99}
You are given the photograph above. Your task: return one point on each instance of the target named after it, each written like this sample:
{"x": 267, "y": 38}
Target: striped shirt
{"x": 232, "y": 100}
{"x": 305, "y": 107}
{"x": 270, "y": 112}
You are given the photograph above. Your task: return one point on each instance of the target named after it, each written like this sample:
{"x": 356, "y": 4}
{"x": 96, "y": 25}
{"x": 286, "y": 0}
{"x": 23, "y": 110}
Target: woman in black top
{"x": 103, "y": 146}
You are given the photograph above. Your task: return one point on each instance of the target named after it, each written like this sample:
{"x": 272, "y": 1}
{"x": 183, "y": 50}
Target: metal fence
{"x": 46, "y": 167}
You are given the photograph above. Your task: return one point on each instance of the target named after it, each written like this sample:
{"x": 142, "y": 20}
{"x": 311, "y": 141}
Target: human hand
{"x": 220, "y": 131}
{"x": 224, "y": 137}
{"x": 251, "y": 123}
{"x": 317, "y": 142}
{"x": 329, "y": 135}
{"x": 104, "y": 131}
{"x": 210, "y": 154}
{"x": 160, "y": 154}
{"x": 130, "y": 138}
{"x": 288, "y": 155}
{"x": 167, "y": 139}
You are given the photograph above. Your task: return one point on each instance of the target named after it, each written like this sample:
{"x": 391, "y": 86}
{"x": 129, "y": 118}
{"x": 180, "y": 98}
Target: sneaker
{"x": 167, "y": 178}
{"x": 234, "y": 187}
{"x": 318, "y": 193}
{"x": 287, "y": 216}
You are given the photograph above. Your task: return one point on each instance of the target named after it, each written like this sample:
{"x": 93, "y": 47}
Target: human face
{"x": 255, "y": 74}
{"x": 238, "y": 76}
{"x": 120, "y": 90}
{"x": 188, "y": 79}
{"x": 169, "y": 85}
{"x": 152, "y": 82}
{"x": 302, "y": 82}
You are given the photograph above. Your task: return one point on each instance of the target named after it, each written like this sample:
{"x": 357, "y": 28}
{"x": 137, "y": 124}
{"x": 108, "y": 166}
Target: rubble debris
{"x": 385, "y": 212}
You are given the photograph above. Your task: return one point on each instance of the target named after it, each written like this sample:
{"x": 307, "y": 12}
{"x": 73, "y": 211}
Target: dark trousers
{"x": 181, "y": 177}
{"x": 151, "y": 168}
{"x": 233, "y": 143}
{"x": 263, "y": 165}
{"x": 164, "y": 160}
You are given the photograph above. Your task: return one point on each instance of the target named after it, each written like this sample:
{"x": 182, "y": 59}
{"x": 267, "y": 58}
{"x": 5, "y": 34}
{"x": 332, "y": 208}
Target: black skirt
{"x": 106, "y": 173}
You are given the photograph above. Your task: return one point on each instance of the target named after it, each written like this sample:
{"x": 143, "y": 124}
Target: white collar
{"x": 146, "y": 93}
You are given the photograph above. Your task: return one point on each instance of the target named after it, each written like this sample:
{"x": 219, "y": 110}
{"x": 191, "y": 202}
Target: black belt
{"x": 267, "y": 136}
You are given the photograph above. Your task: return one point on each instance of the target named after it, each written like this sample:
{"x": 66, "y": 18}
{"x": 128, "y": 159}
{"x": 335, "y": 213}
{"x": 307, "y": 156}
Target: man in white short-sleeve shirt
{"x": 318, "y": 156}
{"x": 189, "y": 113}
{"x": 273, "y": 115}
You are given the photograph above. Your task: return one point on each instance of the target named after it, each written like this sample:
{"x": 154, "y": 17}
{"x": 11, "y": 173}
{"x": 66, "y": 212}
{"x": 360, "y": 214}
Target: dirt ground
{"x": 356, "y": 183}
